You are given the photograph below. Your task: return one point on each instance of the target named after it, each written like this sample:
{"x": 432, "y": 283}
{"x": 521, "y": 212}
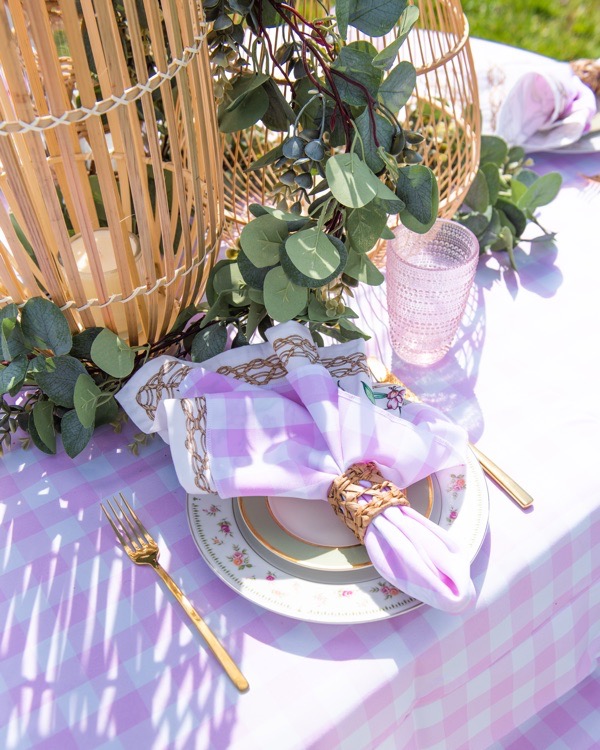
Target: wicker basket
{"x": 110, "y": 174}
{"x": 445, "y": 108}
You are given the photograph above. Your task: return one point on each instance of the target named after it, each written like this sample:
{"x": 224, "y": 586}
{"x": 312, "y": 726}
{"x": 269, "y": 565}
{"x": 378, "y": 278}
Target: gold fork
{"x": 508, "y": 484}
{"x": 143, "y": 550}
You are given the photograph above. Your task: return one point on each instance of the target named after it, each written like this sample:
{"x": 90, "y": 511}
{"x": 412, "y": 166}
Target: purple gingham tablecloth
{"x": 94, "y": 653}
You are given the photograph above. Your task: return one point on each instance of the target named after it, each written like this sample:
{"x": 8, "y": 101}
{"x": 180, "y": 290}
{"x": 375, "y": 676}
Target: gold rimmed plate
{"x": 308, "y": 534}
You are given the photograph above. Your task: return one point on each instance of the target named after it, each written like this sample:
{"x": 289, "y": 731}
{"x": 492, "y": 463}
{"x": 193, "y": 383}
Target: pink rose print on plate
{"x": 270, "y": 576}
{"x": 212, "y": 511}
{"x": 240, "y": 558}
{"x": 225, "y": 527}
{"x": 452, "y": 516}
{"x": 387, "y": 589}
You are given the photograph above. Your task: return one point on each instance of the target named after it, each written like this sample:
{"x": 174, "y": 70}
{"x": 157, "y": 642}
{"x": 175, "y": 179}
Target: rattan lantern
{"x": 445, "y": 108}
{"x": 110, "y": 170}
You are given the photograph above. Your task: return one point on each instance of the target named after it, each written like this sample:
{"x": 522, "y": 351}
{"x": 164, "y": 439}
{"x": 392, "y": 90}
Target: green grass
{"x": 562, "y": 29}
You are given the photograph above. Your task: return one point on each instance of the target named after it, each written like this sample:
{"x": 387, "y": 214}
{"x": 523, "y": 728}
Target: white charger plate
{"x": 317, "y": 594}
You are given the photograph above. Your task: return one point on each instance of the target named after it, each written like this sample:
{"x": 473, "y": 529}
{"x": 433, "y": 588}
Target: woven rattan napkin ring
{"x": 362, "y": 481}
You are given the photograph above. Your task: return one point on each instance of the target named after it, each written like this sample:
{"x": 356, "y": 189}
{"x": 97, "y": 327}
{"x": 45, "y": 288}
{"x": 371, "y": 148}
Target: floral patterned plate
{"x": 328, "y": 596}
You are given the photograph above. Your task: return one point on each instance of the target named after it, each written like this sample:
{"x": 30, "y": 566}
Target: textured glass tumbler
{"x": 429, "y": 277}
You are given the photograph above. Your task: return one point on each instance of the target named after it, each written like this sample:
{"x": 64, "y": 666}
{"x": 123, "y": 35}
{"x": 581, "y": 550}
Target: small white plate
{"x": 350, "y": 594}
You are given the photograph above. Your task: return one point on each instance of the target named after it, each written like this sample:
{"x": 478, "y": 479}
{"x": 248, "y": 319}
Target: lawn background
{"x": 562, "y": 29}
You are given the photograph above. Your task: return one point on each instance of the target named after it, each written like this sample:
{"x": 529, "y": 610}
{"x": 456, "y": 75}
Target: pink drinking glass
{"x": 429, "y": 277}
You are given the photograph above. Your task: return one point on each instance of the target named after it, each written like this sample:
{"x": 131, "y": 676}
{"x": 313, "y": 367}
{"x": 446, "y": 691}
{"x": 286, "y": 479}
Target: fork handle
{"x": 514, "y": 490}
{"x": 211, "y": 639}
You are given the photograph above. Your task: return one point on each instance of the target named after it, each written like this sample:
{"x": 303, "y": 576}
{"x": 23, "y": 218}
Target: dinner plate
{"x": 332, "y": 592}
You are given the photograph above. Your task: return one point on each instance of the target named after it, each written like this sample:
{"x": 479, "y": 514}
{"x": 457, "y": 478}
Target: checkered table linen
{"x": 95, "y": 654}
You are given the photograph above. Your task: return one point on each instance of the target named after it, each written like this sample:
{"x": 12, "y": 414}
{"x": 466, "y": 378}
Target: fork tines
{"x": 132, "y": 538}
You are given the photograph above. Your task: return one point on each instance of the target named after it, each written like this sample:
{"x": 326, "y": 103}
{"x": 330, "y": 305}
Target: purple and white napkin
{"x": 286, "y": 418}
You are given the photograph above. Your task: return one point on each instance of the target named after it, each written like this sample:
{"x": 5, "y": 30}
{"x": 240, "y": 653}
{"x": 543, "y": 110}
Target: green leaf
{"x": 211, "y": 293}
{"x": 253, "y": 276}
{"x": 361, "y": 268}
{"x": 283, "y": 299}
{"x": 369, "y": 392}
{"x": 492, "y": 177}
{"x": 312, "y": 253}
{"x": 354, "y": 61}
{"x": 59, "y": 384}
{"x": 476, "y": 222}
{"x": 395, "y": 91}
{"x": 526, "y": 176}
{"x": 244, "y": 111}
{"x": 35, "y": 437}
{"x": 385, "y": 59}
{"x": 517, "y": 189}
{"x": 82, "y": 343}
{"x": 387, "y": 234}
{"x": 183, "y": 316}
{"x": 514, "y": 214}
{"x": 242, "y": 86}
{"x": 9, "y": 311}
{"x": 112, "y": 354}
{"x": 418, "y": 188}
{"x": 293, "y": 221}
{"x": 106, "y": 411}
{"x": 208, "y": 343}
{"x": 74, "y": 435}
{"x": 352, "y": 331}
{"x": 13, "y": 375}
{"x": 44, "y": 324}
{"x": 478, "y": 197}
{"x": 317, "y": 311}
{"x": 490, "y": 235}
{"x": 229, "y": 283}
{"x": 342, "y": 12}
{"x": 43, "y": 419}
{"x": 266, "y": 159}
{"x": 13, "y": 343}
{"x": 375, "y": 17}
{"x": 256, "y": 312}
{"x": 300, "y": 279}
{"x": 261, "y": 238}
{"x": 493, "y": 149}
{"x": 543, "y": 191}
{"x": 365, "y": 225}
{"x": 351, "y": 181}
{"x": 85, "y": 398}
{"x": 279, "y": 115}
{"x": 384, "y": 132}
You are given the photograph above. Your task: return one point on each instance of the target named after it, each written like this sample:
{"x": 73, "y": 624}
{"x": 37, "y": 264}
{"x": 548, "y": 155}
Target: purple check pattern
{"x": 94, "y": 654}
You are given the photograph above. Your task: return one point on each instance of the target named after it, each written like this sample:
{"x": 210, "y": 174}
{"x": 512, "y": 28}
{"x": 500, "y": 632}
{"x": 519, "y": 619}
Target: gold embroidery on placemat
{"x": 257, "y": 371}
{"x": 195, "y": 441}
{"x": 295, "y": 346}
{"x": 346, "y": 490}
{"x": 149, "y": 396}
{"x": 343, "y": 366}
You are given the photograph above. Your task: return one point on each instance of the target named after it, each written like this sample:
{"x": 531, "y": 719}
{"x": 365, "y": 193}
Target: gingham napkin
{"x": 285, "y": 418}
{"x": 546, "y": 110}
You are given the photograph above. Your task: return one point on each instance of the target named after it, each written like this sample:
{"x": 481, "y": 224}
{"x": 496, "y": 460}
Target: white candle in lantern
{"x": 108, "y": 263}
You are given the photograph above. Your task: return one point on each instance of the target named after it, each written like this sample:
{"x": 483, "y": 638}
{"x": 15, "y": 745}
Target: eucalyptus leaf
{"x": 253, "y": 276}
{"x": 59, "y": 384}
{"x": 351, "y": 181}
{"x": 183, "y": 316}
{"x": 478, "y": 196}
{"x": 312, "y": 253}
{"x": 387, "y": 234}
{"x": 543, "y": 191}
{"x": 112, "y": 354}
{"x": 361, "y": 268}
{"x": 13, "y": 342}
{"x": 279, "y": 115}
{"x": 300, "y": 279}
{"x": 375, "y": 17}
{"x": 514, "y": 214}
{"x": 492, "y": 177}
{"x": 256, "y": 312}
{"x": 395, "y": 91}
{"x": 85, "y": 398}
{"x": 418, "y": 188}
{"x": 476, "y": 222}
{"x": 493, "y": 149}
{"x": 384, "y": 133}
{"x": 293, "y": 221}
{"x": 517, "y": 189}
{"x": 317, "y": 311}
{"x": 13, "y": 375}
{"x": 74, "y": 435}
{"x": 82, "y": 343}
{"x": 260, "y": 240}
{"x": 43, "y": 419}
{"x": 228, "y": 281}
{"x": 526, "y": 177}
{"x": 266, "y": 159}
{"x": 355, "y": 62}
{"x": 208, "y": 343}
{"x": 9, "y": 311}
{"x": 365, "y": 225}
{"x": 284, "y": 300}
{"x": 386, "y": 58}
{"x": 44, "y": 324}
{"x": 35, "y": 436}
{"x": 106, "y": 411}
{"x": 342, "y": 12}
{"x": 252, "y": 106}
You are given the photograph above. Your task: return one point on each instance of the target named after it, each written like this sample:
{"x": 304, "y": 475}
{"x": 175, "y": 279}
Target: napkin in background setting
{"x": 272, "y": 420}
